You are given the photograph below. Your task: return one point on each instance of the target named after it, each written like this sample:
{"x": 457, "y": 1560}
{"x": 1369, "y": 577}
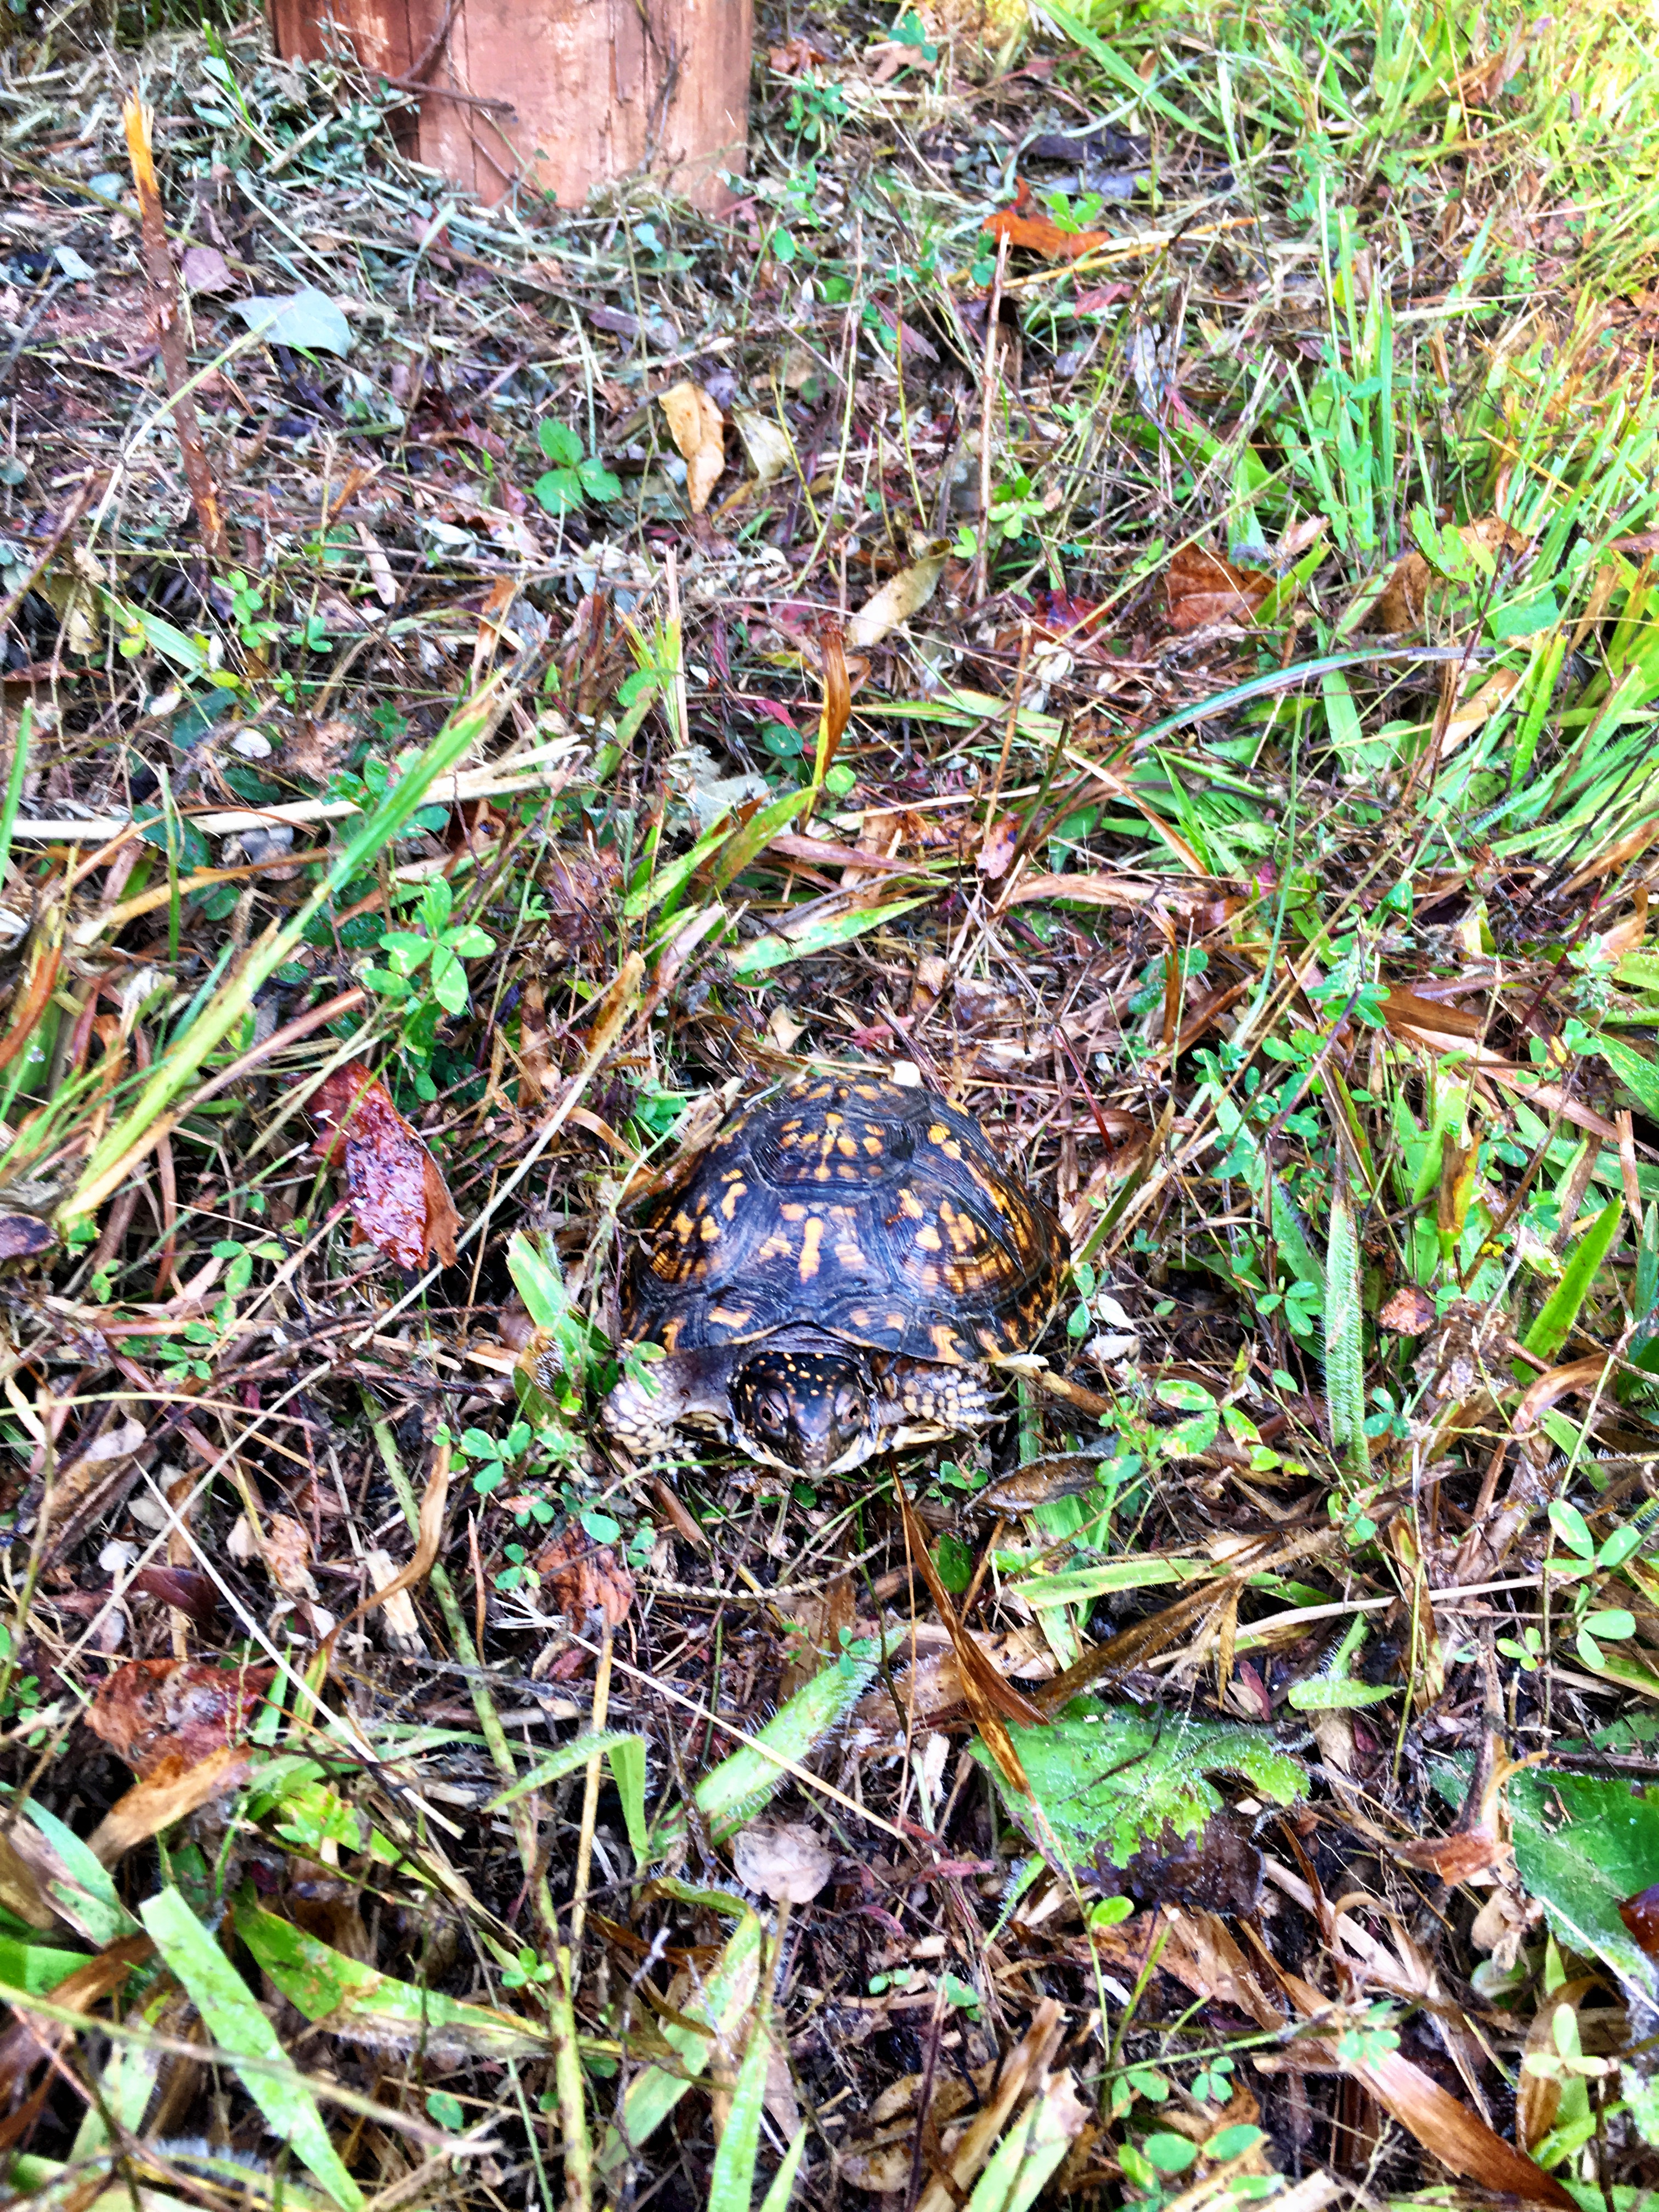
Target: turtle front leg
{"x": 641, "y": 1415}
{"x": 923, "y": 1400}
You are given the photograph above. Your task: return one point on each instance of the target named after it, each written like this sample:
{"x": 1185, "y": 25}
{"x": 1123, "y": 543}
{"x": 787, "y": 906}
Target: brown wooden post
{"x": 563, "y": 93}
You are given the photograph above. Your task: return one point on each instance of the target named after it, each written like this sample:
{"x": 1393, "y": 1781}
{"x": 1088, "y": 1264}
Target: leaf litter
{"x": 1165, "y": 660}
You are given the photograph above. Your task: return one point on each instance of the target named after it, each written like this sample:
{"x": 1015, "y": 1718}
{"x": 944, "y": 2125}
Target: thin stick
{"x": 591, "y": 1797}
{"x": 992, "y": 309}
{"x": 165, "y": 312}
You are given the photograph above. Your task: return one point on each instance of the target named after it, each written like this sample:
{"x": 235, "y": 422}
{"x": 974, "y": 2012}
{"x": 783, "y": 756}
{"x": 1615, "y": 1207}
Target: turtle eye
{"x": 850, "y": 1406}
{"x": 772, "y": 1415}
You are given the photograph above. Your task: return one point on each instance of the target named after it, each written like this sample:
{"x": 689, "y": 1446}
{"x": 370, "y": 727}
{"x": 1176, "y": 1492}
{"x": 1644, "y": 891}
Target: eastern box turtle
{"x": 838, "y": 1274}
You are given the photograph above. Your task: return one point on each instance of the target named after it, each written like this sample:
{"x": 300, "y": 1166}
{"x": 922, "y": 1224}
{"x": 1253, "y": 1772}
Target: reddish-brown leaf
{"x": 1408, "y": 1312}
{"x": 154, "y": 1709}
{"x": 1640, "y": 1914}
{"x": 1200, "y": 588}
{"x": 583, "y": 1578}
{"x": 185, "y": 1588}
{"x": 1040, "y": 234}
{"x": 397, "y": 1193}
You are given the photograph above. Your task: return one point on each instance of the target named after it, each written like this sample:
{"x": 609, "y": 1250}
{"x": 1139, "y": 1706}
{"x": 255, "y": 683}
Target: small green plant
{"x": 575, "y": 475}
{"x": 1073, "y": 215}
{"x": 441, "y": 947}
{"x": 247, "y": 604}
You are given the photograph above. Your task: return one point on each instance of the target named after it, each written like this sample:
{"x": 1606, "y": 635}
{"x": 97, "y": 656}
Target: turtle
{"x": 839, "y": 1273}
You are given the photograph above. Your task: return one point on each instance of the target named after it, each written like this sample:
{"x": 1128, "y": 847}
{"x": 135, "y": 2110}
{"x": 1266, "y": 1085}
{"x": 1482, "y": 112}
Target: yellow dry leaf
{"x": 766, "y": 442}
{"x": 899, "y": 597}
{"x": 695, "y": 425}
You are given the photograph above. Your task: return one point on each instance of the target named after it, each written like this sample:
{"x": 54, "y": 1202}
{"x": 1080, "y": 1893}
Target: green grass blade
{"x": 177, "y": 1067}
{"x": 783, "y": 2181}
{"x": 626, "y": 1753}
{"x": 731, "y": 2184}
{"x": 1549, "y": 1332}
{"x": 20, "y": 762}
{"x": 241, "y": 2030}
{"x": 1345, "y": 1335}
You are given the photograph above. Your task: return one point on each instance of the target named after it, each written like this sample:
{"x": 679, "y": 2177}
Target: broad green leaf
{"x": 242, "y": 2030}
{"x": 777, "y": 2196}
{"x": 307, "y": 319}
{"x": 559, "y": 444}
{"x": 1333, "y": 1689}
{"x": 1024, "y": 2159}
{"x": 762, "y": 825}
{"x": 88, "y": 1899}
{"x": 1582, "y": 1845}
{"x": 731, "y": 2184}
{"x": 1549, "y": 1332}
{"x": 188, "y": 653}
{"x": 665, "y": 882}
{"x": 778, "y": 947}
{"x": 1105, "y": 1779}
{"x": 37, "y": 1967}
{"x": 1080, "y": 1584}
{"x": 371, "y": 2008}
{"x": 1634, "y": 1069}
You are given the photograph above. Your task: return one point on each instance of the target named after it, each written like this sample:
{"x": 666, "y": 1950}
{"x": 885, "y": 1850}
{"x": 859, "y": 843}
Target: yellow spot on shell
{"x": 727, "y": 1316}
{"x": 910, "y": 1205}
{"x": 928, "y": 1238}
{"x": 809, "y": 1250}
{"x": 944, "y": 1340}
{"x": 710, "y": 1228}
{"x": 793, "y": 1212}
{"x": 729, "y": 1203}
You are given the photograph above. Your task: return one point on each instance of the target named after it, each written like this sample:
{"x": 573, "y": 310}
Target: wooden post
{"x": 563, "y": 93}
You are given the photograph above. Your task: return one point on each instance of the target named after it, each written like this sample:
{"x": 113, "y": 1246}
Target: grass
{"x": 1190, "y": 700}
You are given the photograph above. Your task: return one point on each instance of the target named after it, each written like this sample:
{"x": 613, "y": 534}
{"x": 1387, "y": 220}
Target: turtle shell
{"x": 873, "y": 1212}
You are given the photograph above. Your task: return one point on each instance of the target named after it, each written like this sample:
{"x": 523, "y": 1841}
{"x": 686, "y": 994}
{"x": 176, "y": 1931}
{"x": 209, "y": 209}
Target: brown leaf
{"x": 1408, "y": 1312}
{"x": 397, "y": 1193}
{"x": 782, "y": 1859}
{"x": 434, "y": 1503}
{"x": 584, "y": 1578}
{"x": 695, "y": 423}
{"x": 285, "y": 1548}
{"x": 1040, "y": 234}
{"x": 185, "y": 1588}
{"x": 899, "y": 597}
{"x": 21, "y": 1236}
{"x": 795, "y": 56}
{"x": 1399, "y": 607}
{"x": 1447, "y": 2130}
{"x": 1200, "y": 588}
{"x": 204, "y": 269}
{"x": 154, "y": 1709}
{"x": 992, "y": 1700}
{"x": 175, "y": 1787}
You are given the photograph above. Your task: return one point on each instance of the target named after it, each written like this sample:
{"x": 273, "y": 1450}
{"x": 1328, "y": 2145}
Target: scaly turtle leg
{"x": 923, "y": 1400}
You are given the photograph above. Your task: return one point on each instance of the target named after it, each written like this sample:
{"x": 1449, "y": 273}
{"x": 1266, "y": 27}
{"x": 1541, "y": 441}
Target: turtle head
{"x": 812, "y": 1412}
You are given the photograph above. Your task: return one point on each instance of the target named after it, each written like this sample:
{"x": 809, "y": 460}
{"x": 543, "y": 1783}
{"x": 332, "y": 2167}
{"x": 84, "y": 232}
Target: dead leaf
{"x": 183, "y": 1587}
{"x": 286, "y": 1550}
{"x": 899, "y": 597}
{"x": 695, "y": 423}
{"x": 992, "y": 1700}
{"x": 177, "y": 1786}
{"x": 434, "y": 1501}
{"x": 766, "y": 442}
{"x": 584, "y": 1578}
{"x": 1040, "y": 234}
{"x": 398, "y": 1197}
{"x": 795, "y": 56}
{"x": 1399, "y": 605}
{"x": 23, "y": 1237}
{"x": 1408, "y": 1312}
{"x": 784, "y": 1860}
{"x": 1447, "y": 2130}
{"x": 1001, "y": 844}
{"x": 204, "y": 269}
{"x": 153, "y": 1710}
{"x": 400, "y": 1625}
{"x": 1200, "y": 588}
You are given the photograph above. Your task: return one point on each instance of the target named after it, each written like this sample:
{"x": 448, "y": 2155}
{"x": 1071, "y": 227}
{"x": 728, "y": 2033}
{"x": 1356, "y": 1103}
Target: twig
{"x": 166, "y": 314}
